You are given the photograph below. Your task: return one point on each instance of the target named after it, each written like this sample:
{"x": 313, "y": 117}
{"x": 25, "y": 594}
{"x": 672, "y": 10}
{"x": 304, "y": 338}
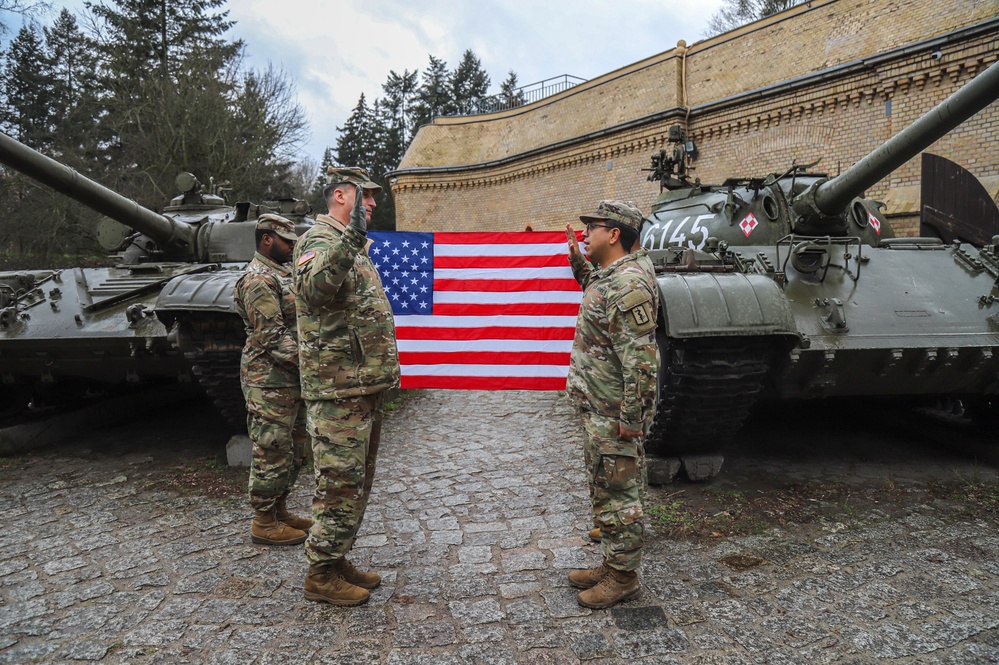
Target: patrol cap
{"x": 354, "y": 175}
{"x": 623, "y": 212}
{"x": 280, "y": 225}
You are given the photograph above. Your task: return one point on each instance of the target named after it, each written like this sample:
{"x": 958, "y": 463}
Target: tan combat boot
{"x": 300, "y": 523}
{"x": 268, "y": 530}
{"x": 363, "y": 579}
{"x": 594, "y": 535}
{"x": 616, "y": 585}
{"x": 324, "y": 584}
{"x": 585, "y": 579}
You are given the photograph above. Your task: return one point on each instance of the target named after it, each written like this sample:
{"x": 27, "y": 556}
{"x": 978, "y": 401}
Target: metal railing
{"x": 526, "y": 94}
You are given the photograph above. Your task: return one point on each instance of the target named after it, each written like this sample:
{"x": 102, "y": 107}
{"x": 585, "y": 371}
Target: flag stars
{"x": 405, "y": 262}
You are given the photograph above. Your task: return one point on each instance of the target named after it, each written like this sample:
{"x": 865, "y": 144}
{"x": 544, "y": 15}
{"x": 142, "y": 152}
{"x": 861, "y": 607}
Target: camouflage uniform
{"x": 612, "y": 376}
{"x": 348, "y": 359}
{"x": 269, "y": 377}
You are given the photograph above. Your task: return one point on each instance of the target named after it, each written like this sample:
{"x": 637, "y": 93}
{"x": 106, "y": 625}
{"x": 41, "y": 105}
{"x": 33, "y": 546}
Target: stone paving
{"x": 478, "y": 513}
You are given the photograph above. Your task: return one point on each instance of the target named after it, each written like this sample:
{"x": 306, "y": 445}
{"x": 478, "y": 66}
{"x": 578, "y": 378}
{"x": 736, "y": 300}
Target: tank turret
{"x": 794, "y": 286}
{"x": 828, "y": 198}
{"x": 170, "y": 234}
{"x": 162, "y": 314}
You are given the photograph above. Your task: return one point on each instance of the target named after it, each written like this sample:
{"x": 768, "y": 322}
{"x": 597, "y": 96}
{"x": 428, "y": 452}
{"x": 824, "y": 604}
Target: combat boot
{"x": 594, "y": 534}
{"x": 300, "y": 523}
{"x": 363, "y": 579}
{"x": 616, "y": 585}
{"x": 268, "y": 530}
{"x": 585, "y": 579}
{"x": 324, "y": 584}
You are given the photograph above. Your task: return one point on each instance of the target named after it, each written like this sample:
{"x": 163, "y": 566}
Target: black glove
{"x": 359, "y": 213}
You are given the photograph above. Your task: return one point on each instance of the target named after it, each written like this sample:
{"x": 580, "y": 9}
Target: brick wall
{"x": 832, "y": 80}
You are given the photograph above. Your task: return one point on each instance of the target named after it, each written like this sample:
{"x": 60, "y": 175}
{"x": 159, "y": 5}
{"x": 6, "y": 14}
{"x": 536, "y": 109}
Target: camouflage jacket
{"x": 264, "y": 299}
{"x": 345, "y": 322}
{"x": 615, "y": 362}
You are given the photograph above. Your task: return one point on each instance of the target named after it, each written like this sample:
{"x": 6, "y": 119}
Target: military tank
{"x": 161, "y": 315}
{"x": 794, "y": 286}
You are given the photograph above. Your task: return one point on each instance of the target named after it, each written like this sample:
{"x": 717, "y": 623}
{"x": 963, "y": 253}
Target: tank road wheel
{"x": 215, "y": 342}
{"x": 707, "y": 387}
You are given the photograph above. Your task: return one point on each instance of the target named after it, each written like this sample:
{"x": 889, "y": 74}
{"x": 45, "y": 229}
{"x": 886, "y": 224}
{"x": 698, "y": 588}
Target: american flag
{"x": 480, "y": 311}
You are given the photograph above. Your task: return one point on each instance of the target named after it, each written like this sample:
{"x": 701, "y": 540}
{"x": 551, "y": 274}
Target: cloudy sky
{"x": 337, "y": 49}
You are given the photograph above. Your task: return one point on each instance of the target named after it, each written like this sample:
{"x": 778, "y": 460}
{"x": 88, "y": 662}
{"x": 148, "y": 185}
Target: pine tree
{"x": 74, "y": 90}
{"x": 469, "y": 84}
{"x": 511, "y": 96}
{"x": 400, "y": 97}
{"x": 360, "y": 144}
{"x": 434, "y": 94}
{"x": 26, "y": 83}
{"x": 159, "y": 39}
{"x": 356, "y": 144}
{"x": 178, "y": 100}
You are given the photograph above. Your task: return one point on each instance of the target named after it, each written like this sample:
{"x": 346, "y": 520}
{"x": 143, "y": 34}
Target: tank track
{"x": 707, "y": 387}
{"x": 216, "y": 343}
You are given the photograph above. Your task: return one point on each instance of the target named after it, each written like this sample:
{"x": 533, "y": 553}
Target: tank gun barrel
{"x": 165, "y": 231}
{"x": 832, "y": 196}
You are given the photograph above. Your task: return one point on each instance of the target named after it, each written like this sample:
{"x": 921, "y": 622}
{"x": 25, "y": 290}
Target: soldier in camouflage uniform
{"x": 348, "y": 360}
{"x": 269, "y": 376}
{"x": 612, "y": 377}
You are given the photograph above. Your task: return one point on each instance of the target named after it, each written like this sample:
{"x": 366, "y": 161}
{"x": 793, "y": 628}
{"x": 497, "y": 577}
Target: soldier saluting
{"x": 348, "y": 359}
{"x": 612, "y": 378}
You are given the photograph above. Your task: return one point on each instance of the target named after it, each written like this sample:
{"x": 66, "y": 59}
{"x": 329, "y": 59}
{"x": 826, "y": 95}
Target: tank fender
{"x": 201, "y": 292}
{"x": 724, "y": 304}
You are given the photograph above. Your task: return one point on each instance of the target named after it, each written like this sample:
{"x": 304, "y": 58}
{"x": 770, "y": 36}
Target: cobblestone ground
{"x": 477, "y": 515}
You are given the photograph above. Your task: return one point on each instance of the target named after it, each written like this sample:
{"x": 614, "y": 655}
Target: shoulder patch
{"x": 637, "y": 305}
{"x": 263, "y": 299}
{"x": 632, "y": 299}
{"x": 305, "y": 258}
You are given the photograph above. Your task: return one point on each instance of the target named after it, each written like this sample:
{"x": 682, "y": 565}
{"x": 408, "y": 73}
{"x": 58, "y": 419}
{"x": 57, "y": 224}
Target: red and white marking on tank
{"x": 875, "y": 224}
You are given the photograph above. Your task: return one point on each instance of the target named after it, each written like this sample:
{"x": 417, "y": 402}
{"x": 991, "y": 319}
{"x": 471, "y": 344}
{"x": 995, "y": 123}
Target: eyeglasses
{"x": 593, "y": 225}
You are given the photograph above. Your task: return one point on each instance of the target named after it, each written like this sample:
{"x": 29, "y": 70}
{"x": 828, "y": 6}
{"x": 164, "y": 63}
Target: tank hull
{"x": 90, "y": 330}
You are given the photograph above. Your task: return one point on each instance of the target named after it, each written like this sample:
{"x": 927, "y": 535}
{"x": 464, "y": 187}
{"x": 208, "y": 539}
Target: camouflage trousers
{"x": 345, "y": 437}
{"x": 275, "y": 422}
{"x": 616, "y": 472}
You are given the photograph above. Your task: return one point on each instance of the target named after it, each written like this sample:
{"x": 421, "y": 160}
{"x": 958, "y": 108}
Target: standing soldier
{"x": 612, "y": 377}
{"x": 269, "y": 376}
{"x": 348, "y": 359}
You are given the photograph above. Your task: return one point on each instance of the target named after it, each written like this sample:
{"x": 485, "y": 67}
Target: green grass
{"x": 10, "y": 462}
